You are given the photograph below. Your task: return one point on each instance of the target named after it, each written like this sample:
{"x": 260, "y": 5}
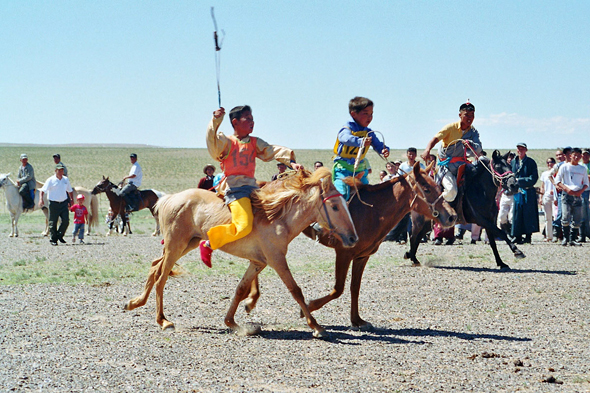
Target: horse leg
{"x": 279, "y": 263}
{"x": 419, "y": 230}
{"x": 14, "y": 222}
{"x": 340, "y": 272}
{"x": 241, "y": 292}
{"x": 358, "y": 267}
{"x": 123, "y": 223}
{"x": 253, "y": 296}
{"x": 153, "y": 275}
{"x": 172, "y": 253}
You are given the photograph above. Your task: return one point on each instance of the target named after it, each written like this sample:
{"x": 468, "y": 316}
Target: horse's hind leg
{"x": 358, "y": 268}
{"x": 253, "y": 296}
{"x": 419, "y": 229}
{"x": 149, "y": 284}
{"x": 241, "y": 293}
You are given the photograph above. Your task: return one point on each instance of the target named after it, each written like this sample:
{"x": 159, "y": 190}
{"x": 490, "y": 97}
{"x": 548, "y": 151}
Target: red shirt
{"x": 80, "y": 213}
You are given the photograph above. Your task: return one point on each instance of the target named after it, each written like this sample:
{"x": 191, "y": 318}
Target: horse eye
{"x": 335, "y": 208}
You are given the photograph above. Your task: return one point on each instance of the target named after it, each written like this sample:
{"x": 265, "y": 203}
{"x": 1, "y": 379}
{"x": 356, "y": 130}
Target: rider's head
{"x": 242, "y": 120}
{"x": 133, "y": 158}
{"x": 467, "y": 115}
{"x": 361, "y": 110}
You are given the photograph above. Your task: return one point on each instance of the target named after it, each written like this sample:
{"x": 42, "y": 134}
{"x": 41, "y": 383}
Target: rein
{"x": 422, "y": 197}
{"x": 324, "y": 199}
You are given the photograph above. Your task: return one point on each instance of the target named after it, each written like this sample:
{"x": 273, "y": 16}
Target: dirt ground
{"x": 456, "y": 323}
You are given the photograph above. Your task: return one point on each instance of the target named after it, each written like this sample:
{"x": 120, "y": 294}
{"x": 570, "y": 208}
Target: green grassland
{"x": 165, "y": 169}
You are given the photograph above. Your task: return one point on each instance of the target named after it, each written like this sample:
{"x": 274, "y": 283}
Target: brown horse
{"x": 147, "y": 200}
{"x": 281, "y": 211}
{"x": 389, "y": 203}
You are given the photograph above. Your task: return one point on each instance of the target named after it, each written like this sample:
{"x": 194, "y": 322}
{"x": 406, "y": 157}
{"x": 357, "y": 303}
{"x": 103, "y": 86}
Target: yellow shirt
{"x": 451, "y": 132}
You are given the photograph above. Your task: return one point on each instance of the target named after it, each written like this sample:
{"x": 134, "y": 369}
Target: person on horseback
{"x": 237, "y": 154}
{"x": 352, "y": 144}
{"x": 134, "y": 180}
{"x": 460, "y": 140}
{"x": 26, "y": 182}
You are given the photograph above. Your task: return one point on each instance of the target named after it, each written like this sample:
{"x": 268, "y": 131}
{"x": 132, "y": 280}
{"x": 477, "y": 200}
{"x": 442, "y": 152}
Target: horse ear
{"x": 429, "y": 167}
{"x": 103, "y": 178}
{"x": 416, "y": 169}
{"x": 505, "y": 156}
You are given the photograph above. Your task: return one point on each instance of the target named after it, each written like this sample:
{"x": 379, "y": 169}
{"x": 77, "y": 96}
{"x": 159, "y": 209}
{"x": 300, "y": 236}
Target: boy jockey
{"x": 353, "y": 136}
{"x": 237, "y": 154}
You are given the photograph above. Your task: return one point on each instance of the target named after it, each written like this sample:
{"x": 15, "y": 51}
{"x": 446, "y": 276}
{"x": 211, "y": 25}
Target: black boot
{"x": 574, "y": 237}
{"x": 566, "y": 235}
{"x": 527, "y": 238}
{"x": 583, "y": 234}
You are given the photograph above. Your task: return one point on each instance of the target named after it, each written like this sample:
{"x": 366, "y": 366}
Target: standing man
{"x": 585, "y": 228}
{"x": 57, "y": 160}
{"x": 58, "y": 189}
{"x": 408, "y": 166}
{"x": 26, "y": 182}
{"x": 505, "y": 204}
{"x": 133, "y": 183}
{"x": 572, "y": 180}
{"x": 282, "y": 168}
{"x": 525, "y": 217}
{"x": 549, "y": 193}
{"x": 455, "y": 137}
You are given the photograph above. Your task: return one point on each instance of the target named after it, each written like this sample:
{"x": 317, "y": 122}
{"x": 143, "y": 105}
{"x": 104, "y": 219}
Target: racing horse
{"x": 479, "y": 204}
{"x": 147, "y": 199}
{"x": 375, "y": 211}
{"x": 281, "y": 211}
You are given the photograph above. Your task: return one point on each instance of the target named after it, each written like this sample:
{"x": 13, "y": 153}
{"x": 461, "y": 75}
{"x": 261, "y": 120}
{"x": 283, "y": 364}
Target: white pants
{"x": 475, "y": 231}
{"x": 548, "y": 210}
{"x": 505, "y": 209}
{"x": 449, "y": 183}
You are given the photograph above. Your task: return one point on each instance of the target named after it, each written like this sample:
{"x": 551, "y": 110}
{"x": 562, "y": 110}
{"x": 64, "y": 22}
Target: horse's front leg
{"x": 342, "y": 264}
{"x": 123, "y": 223}
{"x": 13, "y": 222}
{"x": 172, "y": 253}
{"x": 419, "y": 229}
{"x": 153, "y": 275}
{"x": 282, "y": 269}
{"x": 358, "y": 268}
{"x": 241, "y": 293}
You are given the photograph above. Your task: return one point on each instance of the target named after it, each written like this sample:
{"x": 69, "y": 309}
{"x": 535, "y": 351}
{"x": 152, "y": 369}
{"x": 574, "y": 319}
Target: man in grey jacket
{"x": 26, "y": 182}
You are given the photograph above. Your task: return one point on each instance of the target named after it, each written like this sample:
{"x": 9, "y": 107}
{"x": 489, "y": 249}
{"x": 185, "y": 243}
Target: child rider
{"x": 237, "y": 155}
{"x": 353, "y": 136}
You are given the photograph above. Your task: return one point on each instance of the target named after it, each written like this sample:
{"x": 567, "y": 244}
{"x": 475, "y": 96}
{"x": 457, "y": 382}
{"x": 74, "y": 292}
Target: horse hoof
{"x": 505, "y": 268}
{"x": 519, "y": 255}
{"x": 321, "y": 334}
{"x": 406, "y": 255}
{"x": 363, "y": 327}
{"x": 168, "y": 327}
{"x": 416, "y": 264}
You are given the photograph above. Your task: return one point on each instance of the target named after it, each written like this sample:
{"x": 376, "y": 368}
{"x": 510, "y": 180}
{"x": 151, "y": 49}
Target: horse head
{"x": 102, "y": 186}
{"x": 4, "y": 179}
{"x": 334, "y": 213}
{"x": 502, "y": 172}
{"x": 428, "y": 199}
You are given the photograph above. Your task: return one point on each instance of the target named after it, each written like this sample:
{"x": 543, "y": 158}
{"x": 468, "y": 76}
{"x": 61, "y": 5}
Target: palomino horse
{"x": 281, "y": 211}
{"x": 479, "y": 204}
{"x": 379, "y": 208}
{"x": 14, "y": 203}
{"x": 147, "y": 200}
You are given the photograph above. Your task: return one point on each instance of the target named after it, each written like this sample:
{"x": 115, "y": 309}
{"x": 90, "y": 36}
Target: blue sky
{"x": 144, "y": 71}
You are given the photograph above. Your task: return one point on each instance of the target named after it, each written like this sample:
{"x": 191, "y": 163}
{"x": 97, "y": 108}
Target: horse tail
{"x": 93, "y": 219}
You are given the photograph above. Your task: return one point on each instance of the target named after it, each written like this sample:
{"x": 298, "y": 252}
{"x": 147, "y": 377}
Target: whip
{"x": 218, "y": 44}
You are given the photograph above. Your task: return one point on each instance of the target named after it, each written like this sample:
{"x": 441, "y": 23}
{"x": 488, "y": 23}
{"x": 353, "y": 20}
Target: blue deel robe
{"x": 525, "y": 216}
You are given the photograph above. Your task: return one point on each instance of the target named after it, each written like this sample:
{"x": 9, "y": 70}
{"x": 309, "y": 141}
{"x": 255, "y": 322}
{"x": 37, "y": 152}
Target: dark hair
{"x": 357, "y": 104}
{"x": 318, "y": 162}
{"x": 551, "y": 159}
{"x": 577, "y": 150}
{"x": 237, "y": 112}
{"x": 566, "y": 150}
{"x": 411, "y": 149}
{"x": 468, "y": 106}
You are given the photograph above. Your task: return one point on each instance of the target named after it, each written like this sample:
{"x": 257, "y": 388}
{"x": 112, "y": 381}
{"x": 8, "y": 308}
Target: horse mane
{"x": 276, "y": 198}
{"x": 351, "y": 181}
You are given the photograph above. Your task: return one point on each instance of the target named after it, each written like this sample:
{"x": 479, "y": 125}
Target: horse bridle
{"x": 324, "y": 199}
{"x": 422, "y": 196}
{"x": 498, "y": 177}
{"x": 106, "y": 187}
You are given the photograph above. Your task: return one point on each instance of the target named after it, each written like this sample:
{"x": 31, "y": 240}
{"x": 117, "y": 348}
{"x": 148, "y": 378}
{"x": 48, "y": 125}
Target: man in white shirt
{"x": 549, "y": 193}
{"x": 133, "y": 183}
{"x": 58, "y": 189}
{"x": 572, "y": 180}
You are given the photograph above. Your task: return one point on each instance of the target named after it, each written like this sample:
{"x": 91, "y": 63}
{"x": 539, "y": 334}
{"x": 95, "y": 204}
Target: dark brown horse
{"x": 390, "y": 202}
{"x": 479, "y": 205}
{"x": 147, "y": 199}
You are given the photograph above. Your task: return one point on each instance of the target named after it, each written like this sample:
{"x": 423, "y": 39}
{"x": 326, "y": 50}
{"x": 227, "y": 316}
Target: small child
{"x": 353, "y": 136}
{"x": 80, "y": 218}
{"x": 237, "y": 154}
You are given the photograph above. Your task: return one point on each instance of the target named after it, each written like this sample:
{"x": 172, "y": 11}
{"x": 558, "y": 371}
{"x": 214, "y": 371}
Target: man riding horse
{"x": 460, "y": 140}
{"x": 134, "y": 179}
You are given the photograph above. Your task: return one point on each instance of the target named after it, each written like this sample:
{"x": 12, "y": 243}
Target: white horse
{"x": 14, "y": 203}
